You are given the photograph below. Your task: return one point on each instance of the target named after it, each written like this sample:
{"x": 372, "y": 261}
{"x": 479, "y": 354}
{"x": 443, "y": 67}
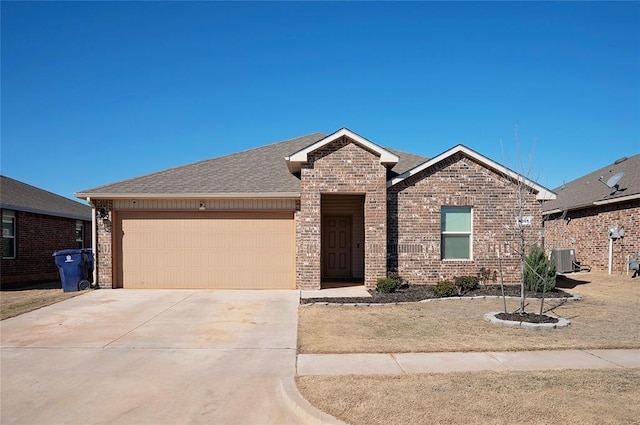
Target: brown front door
{"x": 336, "y": 246}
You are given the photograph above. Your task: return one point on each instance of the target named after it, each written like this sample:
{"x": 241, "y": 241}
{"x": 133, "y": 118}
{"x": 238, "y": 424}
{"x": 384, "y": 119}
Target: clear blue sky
{"x": 93, "y": 93}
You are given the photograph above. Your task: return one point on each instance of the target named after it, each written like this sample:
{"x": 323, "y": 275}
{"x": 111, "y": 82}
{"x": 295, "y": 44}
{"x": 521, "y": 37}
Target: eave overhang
{"x": 235, "y": 195}
{"x": 295, "y": 160}
{"x": 45, "y": 212}
{"x": 594, "y": 204}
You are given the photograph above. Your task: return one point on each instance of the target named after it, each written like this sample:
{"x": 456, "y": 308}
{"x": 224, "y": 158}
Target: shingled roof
{"x": 591, "y": 190}
{"x": 19, "y": 196}
{"x": 256, "y": 172}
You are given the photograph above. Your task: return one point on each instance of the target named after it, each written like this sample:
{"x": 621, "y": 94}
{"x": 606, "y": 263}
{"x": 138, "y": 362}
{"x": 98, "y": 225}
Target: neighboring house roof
{"x": 542, "y": 193}
{"x": 18, "y": 196}
{"x": 591, "y": 190}
{"x": 295, "y": 161}
{"x": 259, "y": 172}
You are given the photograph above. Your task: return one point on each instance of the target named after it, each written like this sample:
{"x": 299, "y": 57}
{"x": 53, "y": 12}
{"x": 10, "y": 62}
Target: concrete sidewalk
{"x": 370, "y": 364}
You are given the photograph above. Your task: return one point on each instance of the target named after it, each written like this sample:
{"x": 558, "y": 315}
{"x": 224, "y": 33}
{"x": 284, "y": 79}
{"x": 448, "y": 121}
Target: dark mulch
{"x": 415, "y": 293}
{"x": 527, "y": 317}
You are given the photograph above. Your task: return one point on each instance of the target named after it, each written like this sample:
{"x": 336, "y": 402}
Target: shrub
{"x": 387, "y": 284}
{"x": 445, "y": 288}
{"x": 543, "y": 267}
{"x": 485, "y": 275}
{"x": 391, "y": 283}
{"x": 465, "y": 283}
{"x": 396, "y": 278}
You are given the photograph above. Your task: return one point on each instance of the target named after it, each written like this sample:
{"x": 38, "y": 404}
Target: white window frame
{"x": 11, "y": 215}
{"x": 80, "y": 226}
{"x": 469, "y": 233}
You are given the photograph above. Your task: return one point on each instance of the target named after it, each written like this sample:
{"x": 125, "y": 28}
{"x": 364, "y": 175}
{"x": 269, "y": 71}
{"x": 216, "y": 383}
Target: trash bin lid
{"x": 67, "y": 252}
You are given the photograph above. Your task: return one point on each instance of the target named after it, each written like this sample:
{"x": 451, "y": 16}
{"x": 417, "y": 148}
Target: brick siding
{"x": 401, "y": 224}
{"x": 38, "y": 236}
{"x": 104, "y": 260}
{"x": 414, "y": 221}
{"x": 341, "y": 167}
{"x": 586, "y": 231}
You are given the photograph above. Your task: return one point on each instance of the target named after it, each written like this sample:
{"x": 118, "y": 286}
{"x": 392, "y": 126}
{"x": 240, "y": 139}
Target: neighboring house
{"x": 35, "y": 223}
{"x": 311, "y": 210}
{"x": 586, "y": 208}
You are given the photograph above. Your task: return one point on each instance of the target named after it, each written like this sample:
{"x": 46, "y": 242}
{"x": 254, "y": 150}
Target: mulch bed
{"x": 415, "y": 293}
{"x": 527, "y": 317}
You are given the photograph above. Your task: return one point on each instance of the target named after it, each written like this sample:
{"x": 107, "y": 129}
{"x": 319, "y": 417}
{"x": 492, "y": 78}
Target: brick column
{"x": 104, "y": 243}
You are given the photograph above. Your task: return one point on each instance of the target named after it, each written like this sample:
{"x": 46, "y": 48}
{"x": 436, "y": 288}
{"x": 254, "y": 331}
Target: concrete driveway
{"x": 153, "y": 357}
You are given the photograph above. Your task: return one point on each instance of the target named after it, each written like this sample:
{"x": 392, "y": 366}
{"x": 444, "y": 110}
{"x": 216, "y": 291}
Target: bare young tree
{"x": 522, "y": 231}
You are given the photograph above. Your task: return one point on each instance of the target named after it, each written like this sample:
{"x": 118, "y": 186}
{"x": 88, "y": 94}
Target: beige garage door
{"x": 206, "y": 250}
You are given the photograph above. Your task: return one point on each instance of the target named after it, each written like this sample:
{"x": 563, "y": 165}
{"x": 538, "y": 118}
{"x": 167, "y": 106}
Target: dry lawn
{"x": 607, "y": 317}
{"x": 544, "y": 397}
{"x": 22, "y": 299}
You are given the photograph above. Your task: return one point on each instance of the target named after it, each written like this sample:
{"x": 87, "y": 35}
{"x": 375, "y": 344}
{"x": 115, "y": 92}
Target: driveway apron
{"x": 152, "y": 357}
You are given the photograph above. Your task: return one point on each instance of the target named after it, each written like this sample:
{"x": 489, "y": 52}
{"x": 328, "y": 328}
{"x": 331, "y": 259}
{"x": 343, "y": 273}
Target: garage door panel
{"x": 206, "y": 250}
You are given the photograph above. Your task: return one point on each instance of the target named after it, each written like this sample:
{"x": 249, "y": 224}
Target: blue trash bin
{"x": 88, "y": 258}
{"x": 75, "y": 267}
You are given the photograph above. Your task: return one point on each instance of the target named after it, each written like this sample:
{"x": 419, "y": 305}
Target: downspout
{"x": 94, "y": 241}
{"x": 610, "y": 253}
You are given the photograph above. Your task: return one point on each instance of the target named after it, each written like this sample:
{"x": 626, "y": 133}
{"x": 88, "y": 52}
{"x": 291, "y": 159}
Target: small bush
{"x": 485, "y": 275}
{"x": 543, "y": 267}
{"x": 391, "y": 283}
{"x": 465, "y": 283}
{"x": 386, "y": 285}
{"x": 445, "y": 288}
{"x": 395, "y": 276}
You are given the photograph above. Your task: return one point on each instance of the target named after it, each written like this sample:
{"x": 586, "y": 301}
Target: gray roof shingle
{"x": 256, "y": 171}
{"x": 587, "y": 189}
{"x": 19, "y": 196}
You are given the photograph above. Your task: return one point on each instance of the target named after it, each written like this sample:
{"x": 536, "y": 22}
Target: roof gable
{"x": 295, "y": 160}
{"x": 19, "y": 196}
{"x": 542, "y": 192}
{"x": 592, "y": 190}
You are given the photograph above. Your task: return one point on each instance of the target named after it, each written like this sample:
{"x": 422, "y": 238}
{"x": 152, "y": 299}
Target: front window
{"x": 455, "y": 225}
{"x": 8, "y": 235}
{"x": 80, "y": 234}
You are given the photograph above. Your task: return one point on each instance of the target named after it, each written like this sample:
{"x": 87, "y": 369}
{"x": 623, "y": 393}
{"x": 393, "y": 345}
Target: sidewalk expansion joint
{"x": 603, "y": 359}
{"x": 393, "y": 356}
{"x": 492, "y": 356}
{"x": 150, "y": 319}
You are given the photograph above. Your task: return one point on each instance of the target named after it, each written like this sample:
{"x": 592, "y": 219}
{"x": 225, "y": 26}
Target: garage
{"x": 205, "y": 250}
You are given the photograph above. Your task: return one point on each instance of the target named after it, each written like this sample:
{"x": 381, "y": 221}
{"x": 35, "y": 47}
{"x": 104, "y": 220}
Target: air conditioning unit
{"x": 564, "y": 260}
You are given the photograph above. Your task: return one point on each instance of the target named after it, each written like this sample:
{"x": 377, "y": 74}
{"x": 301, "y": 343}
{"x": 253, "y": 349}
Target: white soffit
{"x": 219, "y": 195}
{"x": 543, "y": 194}
{"x": 295, "y": 161}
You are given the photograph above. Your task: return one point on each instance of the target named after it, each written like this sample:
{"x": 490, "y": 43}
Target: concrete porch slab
{"x": 344, "y": 292}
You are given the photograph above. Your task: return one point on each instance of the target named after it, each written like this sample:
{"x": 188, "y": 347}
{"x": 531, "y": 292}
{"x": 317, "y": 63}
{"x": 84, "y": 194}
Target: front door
{"x": 336, "y": 247}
